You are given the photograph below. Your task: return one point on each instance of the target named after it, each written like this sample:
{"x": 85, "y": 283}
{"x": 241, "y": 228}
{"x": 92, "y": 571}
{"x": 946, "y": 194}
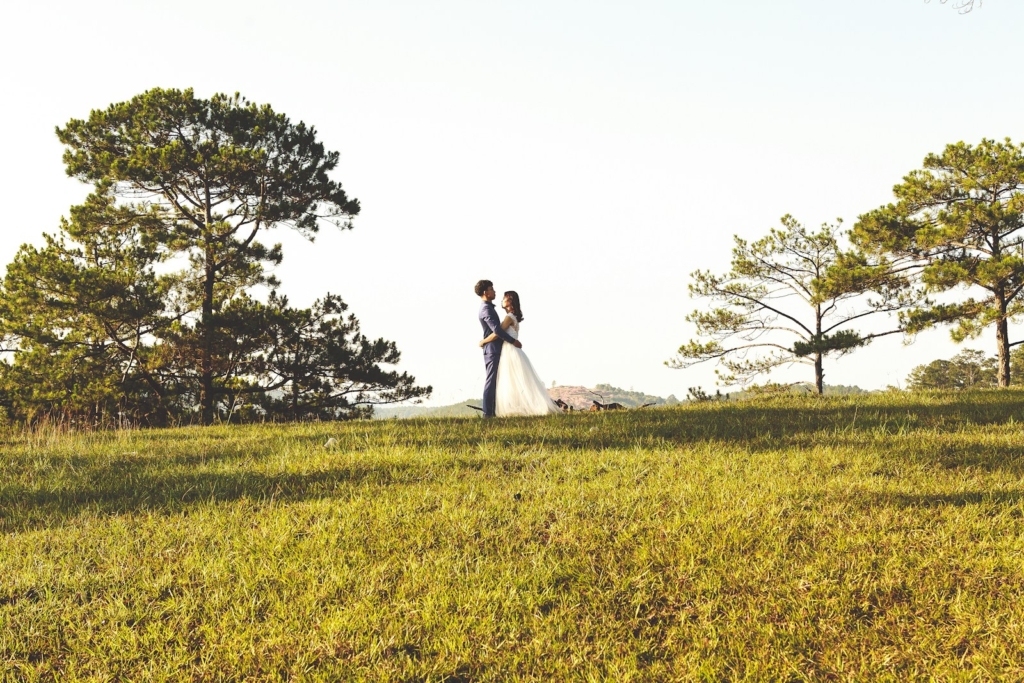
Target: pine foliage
{"x": 143, "y": 307}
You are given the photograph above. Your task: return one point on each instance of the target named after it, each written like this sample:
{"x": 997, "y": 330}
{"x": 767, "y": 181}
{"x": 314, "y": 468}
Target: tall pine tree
{"x": 182, "y": 180}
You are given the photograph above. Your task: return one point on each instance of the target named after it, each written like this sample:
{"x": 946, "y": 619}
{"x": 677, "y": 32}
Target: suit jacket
{"x": 490, "y": 323}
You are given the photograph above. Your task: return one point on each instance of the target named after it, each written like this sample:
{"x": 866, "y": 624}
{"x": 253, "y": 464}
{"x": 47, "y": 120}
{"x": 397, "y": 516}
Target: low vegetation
{"x": 785, "y": 538}
{"x": 969, "y": 369}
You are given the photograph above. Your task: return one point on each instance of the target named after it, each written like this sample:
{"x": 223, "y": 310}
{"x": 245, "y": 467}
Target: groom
{"x": 492, "y": 351}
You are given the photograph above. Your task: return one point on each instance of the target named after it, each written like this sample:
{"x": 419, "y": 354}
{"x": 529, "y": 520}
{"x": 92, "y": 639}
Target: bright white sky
{"x": 588, "y": 154}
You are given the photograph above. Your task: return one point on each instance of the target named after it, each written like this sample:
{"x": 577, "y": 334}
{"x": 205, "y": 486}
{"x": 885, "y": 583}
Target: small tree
{"x": 790, "y": 297}
{"x": 81, "y": 313}
{"x": 959, "y": 223}
{"x": 967, "y": 370}
{"x": 324, "y": 363}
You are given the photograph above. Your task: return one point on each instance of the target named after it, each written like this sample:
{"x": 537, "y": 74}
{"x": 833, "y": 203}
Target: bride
{"x": 520, "y": 391}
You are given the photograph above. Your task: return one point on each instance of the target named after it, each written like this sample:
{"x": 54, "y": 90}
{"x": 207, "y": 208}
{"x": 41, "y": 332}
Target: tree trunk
{"x": 206, "y": 357}
{"x": 1003, "y": 342}
{"x": 819, "y": 373}
{"x": 206, "y": 398}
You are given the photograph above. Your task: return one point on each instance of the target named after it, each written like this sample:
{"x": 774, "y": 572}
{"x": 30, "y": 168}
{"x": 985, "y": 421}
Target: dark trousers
{"x": 490, "y": 382}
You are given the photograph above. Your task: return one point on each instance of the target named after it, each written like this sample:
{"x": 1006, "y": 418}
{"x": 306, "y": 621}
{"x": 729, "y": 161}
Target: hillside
{"x": 581, "y": 398}
{"x": 850, "y": 538}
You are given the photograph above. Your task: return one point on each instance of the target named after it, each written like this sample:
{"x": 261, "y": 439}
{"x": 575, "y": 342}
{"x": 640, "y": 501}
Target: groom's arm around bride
{"x": 489, "y": 320}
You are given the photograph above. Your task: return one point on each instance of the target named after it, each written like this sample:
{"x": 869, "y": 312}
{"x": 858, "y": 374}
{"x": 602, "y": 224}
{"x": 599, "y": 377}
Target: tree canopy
{"x": 957, "y": 225}
{"x": 144, "y": 302}
{"x": 789, "y": 298}
{"x": 969, "y": 369}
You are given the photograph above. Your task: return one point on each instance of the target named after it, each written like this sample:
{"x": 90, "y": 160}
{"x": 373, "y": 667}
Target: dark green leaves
{"x": 957, "y": 225}
{"x": 842, "y": 341}
{"x": 143, "y": 306}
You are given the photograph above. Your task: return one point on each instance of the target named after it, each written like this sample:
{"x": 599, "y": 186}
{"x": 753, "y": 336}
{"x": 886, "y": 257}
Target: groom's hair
{"x": 482, "y": 287}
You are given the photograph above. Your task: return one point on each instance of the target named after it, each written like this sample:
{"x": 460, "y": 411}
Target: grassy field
{"x": 851, "y": 538}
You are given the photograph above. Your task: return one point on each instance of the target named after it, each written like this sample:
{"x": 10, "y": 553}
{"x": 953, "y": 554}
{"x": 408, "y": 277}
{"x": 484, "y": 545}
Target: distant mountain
{"x": 580, "y": 398}
{"x": 406, "y": 412}
{"x": 843, "y": 390}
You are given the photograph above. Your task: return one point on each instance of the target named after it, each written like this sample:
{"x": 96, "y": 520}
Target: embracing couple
{"x": 511, "y": 386}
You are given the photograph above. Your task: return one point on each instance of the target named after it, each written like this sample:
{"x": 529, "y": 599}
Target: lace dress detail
{"x": 520, "y": 390}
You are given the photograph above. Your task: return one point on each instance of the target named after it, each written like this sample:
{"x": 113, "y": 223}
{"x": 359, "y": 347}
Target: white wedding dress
{"x": 520, "y": 391}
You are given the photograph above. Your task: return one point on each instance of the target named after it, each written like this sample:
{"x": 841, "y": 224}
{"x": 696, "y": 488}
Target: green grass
{"x": 847, "y": 538}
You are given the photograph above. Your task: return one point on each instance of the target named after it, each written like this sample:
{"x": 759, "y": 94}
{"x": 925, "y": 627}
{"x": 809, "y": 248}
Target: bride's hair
{"x": 514, "y": 299}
